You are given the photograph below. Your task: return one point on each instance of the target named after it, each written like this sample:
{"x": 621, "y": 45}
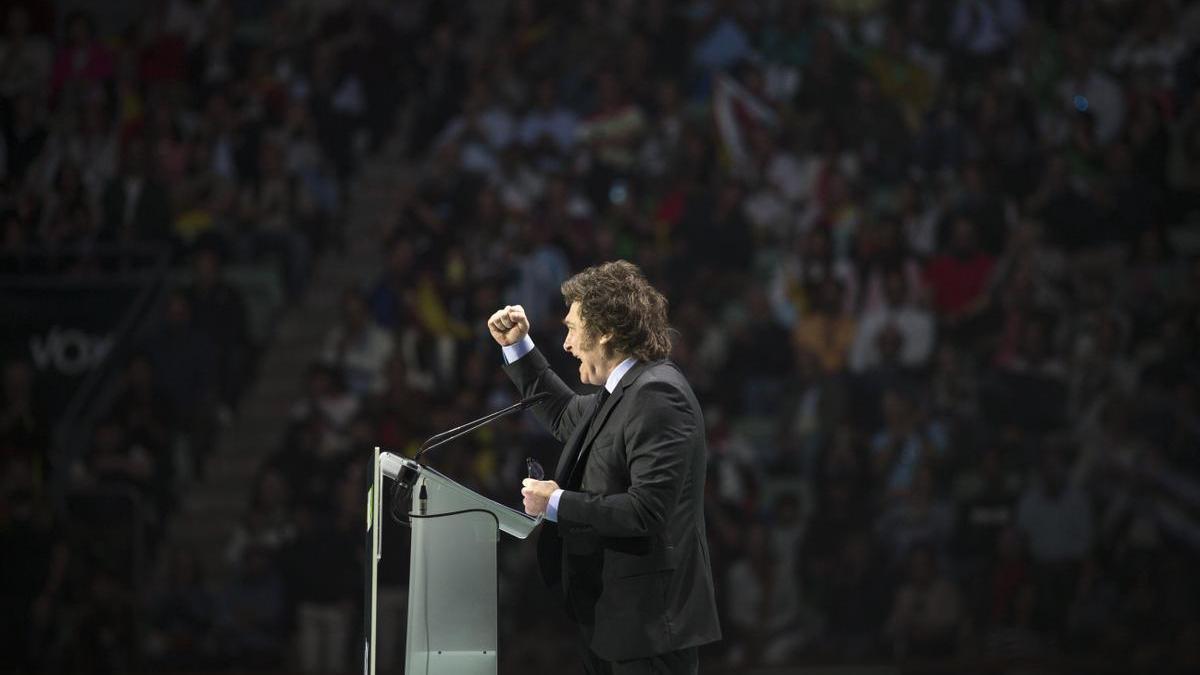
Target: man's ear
{"x": 605, "y": 342}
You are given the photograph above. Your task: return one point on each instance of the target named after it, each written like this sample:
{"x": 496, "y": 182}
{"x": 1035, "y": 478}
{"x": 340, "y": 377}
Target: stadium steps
{"x": 213, "y": 504}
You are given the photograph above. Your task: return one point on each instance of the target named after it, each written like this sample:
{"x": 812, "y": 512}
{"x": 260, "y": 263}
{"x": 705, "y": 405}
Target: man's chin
{"x": 584, "y": 376}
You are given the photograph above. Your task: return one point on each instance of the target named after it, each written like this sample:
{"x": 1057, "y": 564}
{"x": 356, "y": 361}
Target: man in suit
{"x": 136, "y": 205}
{"x": 624, "y": 540}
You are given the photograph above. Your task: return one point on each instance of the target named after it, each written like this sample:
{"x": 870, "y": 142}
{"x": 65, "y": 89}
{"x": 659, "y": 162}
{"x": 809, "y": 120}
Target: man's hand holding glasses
{"x": 536, "y": 492}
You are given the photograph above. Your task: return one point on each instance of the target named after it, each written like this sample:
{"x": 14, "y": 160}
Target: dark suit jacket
{"x": 629, "y": 551}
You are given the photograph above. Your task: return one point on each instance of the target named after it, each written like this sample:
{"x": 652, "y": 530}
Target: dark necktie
{"x": 603, "y": 396}
{"x": 587, "y": 423}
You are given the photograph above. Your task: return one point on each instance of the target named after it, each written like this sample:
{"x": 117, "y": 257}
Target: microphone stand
{"x": 404, "y": 486}
{"x": 464, "y": 429}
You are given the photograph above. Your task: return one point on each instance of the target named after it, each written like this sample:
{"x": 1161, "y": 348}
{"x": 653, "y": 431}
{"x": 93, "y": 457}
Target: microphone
{"x": 462, "y": 430}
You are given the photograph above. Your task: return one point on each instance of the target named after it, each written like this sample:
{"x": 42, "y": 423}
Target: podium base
{"x": 456, "y": 663}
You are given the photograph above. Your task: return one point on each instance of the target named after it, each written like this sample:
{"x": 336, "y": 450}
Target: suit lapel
{"x": 602, "y": 417}
{"x": 575, "y": 451}
{"x": 585, "y": 449}
{"x": 570, "y": 451}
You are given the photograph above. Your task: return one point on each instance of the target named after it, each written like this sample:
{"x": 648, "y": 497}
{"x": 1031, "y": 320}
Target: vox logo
{"x": 69, "y": 351}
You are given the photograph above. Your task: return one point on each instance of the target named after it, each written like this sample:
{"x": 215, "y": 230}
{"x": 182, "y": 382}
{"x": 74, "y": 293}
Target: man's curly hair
{"x": 616, "y": 300}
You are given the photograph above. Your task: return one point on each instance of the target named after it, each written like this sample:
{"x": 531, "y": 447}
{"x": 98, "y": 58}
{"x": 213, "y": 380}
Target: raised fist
{"x": 509, "y": 325}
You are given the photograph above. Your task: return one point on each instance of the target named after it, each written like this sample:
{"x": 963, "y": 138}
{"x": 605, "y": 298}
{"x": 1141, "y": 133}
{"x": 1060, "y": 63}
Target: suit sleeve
{"x": 563, "y": 410}
{"x": 659, "y": 438}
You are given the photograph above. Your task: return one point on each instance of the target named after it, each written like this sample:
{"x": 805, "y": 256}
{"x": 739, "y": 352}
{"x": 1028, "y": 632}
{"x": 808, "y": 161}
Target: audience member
{"x": 927, "y": 614}
{"x": 358, "y": 348}
{"x": 219, "y": 312}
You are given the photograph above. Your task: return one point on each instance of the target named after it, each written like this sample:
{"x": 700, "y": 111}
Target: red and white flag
{"x": 737, "y": 111}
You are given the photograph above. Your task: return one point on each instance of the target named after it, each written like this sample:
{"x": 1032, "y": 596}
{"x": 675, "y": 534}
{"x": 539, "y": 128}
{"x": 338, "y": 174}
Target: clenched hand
{"x": 509, "y": 325}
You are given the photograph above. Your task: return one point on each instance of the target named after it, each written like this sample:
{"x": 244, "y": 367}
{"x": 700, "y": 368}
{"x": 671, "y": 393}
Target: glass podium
{"x": 452, "y": 591}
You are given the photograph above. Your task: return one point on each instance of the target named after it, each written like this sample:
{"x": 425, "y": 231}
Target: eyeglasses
{"x": 534, "y": 470}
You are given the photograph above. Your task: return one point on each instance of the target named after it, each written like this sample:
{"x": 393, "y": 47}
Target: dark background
{"x": 933, "y": 265}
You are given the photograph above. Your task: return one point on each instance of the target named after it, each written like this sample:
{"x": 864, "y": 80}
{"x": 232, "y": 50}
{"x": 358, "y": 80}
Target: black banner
{"x": 65, "y": 330}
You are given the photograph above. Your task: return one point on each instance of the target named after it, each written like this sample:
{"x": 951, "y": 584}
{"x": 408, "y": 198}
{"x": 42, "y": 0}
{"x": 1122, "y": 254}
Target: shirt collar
{"x": 617, "y": 373}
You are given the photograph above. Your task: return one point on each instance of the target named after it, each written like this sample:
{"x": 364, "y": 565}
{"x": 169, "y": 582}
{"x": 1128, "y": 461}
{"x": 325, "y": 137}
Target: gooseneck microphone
{"x": 406, "y": 479}
{"x": 464, "y": 429}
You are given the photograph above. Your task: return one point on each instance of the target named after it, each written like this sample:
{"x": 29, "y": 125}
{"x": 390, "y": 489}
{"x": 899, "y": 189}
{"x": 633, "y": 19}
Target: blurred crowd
{"x": 933, "y": 265}
{"x": 216, "y": 135}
